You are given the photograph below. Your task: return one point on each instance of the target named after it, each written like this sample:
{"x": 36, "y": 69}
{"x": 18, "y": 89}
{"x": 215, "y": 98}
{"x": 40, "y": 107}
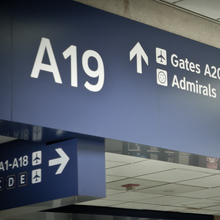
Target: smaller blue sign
{"x": 34, "y": 172}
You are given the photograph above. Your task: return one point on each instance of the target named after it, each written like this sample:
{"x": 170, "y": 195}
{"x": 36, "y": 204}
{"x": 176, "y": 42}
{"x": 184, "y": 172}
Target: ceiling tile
{"x": 113, "y": 178}
{"x": 216, "y": 198}
{"x": 202, "y": 194}
{"x": 217, "y": 188}
{"x": 122, "y": 158}
{"x": 200, "y": 203}
{"x": 171, "y": 1}
{"x": 166, "y": 200}
{"x": 140, "y": 168}
{"x": 112, "y": 192}
{"x": 174, "y": 175}
{"x": 134, "y": 205}
{"x": 211, "y": 181}
{"x": 131, "y": 196}
{"x": 214, "y": 208}
{"x": 201, "y": 169}
{"x": 142, "y": 184}
{"x": 170, "y": 189}
{"x": 110, "y": 164}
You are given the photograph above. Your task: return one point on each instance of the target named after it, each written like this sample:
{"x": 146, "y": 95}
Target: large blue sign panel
{"x": 86, "y": 71}
{"x": 34, "y": 172}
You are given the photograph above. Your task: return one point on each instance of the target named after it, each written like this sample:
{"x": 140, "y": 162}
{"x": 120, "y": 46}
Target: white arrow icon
{"x": 138, "y": 51}
{"x": 63, "y": 160}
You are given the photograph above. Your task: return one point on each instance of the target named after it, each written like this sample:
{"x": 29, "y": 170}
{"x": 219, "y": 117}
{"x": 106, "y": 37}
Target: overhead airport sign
{"x": 33, "y": 172}
{"x": 86, "y": 71}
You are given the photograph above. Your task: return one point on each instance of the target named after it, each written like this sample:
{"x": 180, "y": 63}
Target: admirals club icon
{"x": 162, "y": 77}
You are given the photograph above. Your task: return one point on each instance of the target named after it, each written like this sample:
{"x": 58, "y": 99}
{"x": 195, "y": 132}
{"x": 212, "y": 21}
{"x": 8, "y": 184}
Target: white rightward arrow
{"x": 63, "y": 160}
{"x": 138, "y": 51}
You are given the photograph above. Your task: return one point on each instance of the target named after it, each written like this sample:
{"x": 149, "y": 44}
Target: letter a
{"x": 175, "y": 82}
{"x": 38, "y": 65}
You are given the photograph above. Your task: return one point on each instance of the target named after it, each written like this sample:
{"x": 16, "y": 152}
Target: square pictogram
{"x": 36, "y": 176}
{"x": 162, "y": 78}
{"x": 36, "y": 158}
{"x": 161, "y": 56}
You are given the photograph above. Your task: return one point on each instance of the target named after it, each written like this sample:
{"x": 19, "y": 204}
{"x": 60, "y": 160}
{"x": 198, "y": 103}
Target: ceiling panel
{"x": 202, "y": 194}
{"x": 110, "y": 178}
{"x": 122, "y": 158}
{"x": 113, "y": 191}
{"x": 201, "y": 169}
{"x": 142, "y": 184}
{"x": 135, "y": 205}
{"x": 110, "y": 164}
{"x": 171, "y": 189}
{"x": 200, "y": 203}
{"x": 211, "y": 181}
{"x": 214, "y": 208}
{"x": 140, "y": 168}
{"x": 174, "y": 175}
{"x": 171, "y": 1}
{"x": 166, "y": 200}
{"x": 130, "y": 196}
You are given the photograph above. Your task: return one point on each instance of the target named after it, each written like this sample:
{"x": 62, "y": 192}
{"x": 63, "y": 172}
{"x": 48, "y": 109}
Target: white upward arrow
{"x": 63, "y": 160}
{"x": 138, "y": 51}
